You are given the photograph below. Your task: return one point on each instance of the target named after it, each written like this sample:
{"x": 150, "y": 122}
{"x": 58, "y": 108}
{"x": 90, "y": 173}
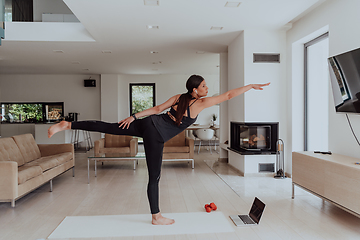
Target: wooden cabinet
{"x": 335, "y": 178}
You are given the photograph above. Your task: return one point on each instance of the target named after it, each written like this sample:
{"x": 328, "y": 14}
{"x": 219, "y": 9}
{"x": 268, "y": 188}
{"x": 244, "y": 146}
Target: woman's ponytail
{"x": 185, "y": 98}
{"x": 184, "y": 101}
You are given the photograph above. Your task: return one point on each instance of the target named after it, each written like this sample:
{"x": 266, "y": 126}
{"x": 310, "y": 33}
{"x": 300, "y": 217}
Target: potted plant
{"x": 214, "y": 117}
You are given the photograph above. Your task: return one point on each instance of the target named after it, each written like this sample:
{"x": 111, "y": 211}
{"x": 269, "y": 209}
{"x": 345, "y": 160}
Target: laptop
{"x": 253, "y": 218}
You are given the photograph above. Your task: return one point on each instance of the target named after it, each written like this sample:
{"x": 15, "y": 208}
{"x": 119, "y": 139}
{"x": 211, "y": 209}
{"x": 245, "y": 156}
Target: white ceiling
{"x": 120, "y": 26}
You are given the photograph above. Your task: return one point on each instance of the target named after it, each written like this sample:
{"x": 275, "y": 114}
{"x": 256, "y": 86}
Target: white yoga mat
{"x": 140, "y": 225}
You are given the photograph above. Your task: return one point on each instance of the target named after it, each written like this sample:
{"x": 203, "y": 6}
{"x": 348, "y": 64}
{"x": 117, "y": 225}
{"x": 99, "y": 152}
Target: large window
{"x": 316, "y": 94}
{"x": 32, "y": 112}
{"x": 142, "y": 96}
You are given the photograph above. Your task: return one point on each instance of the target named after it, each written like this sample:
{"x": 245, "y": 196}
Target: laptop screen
{"x": 256, "y": 210}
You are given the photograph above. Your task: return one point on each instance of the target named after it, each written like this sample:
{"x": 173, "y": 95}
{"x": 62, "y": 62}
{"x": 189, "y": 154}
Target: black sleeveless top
{"x": 167, "y": 127}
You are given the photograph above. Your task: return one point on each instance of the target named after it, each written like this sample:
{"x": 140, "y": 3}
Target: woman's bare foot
{"x": 158, "y": 219}
{"x": 63, "y": 125}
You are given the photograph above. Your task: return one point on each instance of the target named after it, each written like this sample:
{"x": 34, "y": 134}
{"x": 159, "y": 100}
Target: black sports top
{"x": 167, "y": 127}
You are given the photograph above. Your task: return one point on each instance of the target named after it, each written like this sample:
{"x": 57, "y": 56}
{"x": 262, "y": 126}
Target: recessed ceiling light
{"x": 152, "y": 27}
{"x": 200, "y": 52}
{"x": 151, "y": 2}
{"x": 58, "y": 51}
{"x": 159, "y": 62}
{"x": 216, "y": 28}
{"x": 232, "y": 4}
{"x": 154, "y": 52}
{"x": 106, "y": 51}
{"x": 75, "y": 62}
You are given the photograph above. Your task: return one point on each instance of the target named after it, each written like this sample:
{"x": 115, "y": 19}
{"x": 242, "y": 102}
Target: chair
{"x": 217, "y": 136}
{"x": 117, "y": 144}
{"x": 179, "y": 148}
{"x": 204, "y": 134}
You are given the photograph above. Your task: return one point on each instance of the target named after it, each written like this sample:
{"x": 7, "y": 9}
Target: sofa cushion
{"x": 113, "y": 141}
{"x": 115, "y": 150}
{"x": 28, "y": 147}
{"x": 28, "y": 172}
{"x": 9, "y": 151}
{"x": 45, "y": 163}
{"x": 176, "y": 149}
{"x": 63, "y": 157}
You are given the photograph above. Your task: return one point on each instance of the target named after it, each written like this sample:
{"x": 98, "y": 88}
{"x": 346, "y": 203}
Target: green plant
{"x": 27, "y": 111}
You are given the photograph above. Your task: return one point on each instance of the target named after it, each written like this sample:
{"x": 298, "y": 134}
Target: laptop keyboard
{"x": 246, "y": 219}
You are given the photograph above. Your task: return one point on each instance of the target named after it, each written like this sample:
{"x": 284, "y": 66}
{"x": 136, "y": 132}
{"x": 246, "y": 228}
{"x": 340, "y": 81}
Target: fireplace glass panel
{"x": 255, "y": 137}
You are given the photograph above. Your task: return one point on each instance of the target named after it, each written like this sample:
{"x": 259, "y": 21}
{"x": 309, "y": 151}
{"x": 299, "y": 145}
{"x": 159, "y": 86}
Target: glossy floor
{"x": 118, "y": 189}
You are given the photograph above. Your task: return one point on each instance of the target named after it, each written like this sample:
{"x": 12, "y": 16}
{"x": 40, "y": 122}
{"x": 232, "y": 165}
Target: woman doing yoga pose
{"x": 156, "y": 129}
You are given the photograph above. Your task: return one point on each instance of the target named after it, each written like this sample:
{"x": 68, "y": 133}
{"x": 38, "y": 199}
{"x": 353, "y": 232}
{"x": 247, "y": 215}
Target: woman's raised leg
{"x": 96, "y": 126}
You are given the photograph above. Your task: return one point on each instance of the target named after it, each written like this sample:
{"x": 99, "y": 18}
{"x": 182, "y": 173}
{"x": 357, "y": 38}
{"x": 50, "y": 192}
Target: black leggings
{"x": 153, "y": 144}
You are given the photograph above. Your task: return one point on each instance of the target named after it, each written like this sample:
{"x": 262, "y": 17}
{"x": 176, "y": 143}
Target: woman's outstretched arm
{"x": 125, "y": 123}
{"x": 211, "y": 101}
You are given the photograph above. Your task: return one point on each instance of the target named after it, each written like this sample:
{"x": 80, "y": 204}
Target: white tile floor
{"x": 119, "y": 189}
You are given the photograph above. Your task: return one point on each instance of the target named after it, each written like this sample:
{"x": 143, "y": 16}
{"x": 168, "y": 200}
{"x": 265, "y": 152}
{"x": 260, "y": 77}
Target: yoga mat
{"x": 140, "y": 225}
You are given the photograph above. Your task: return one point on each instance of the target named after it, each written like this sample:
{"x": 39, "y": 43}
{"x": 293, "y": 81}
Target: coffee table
{"x": 109, "y": 157}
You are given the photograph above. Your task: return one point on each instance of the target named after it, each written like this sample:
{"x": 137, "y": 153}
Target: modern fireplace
{"x": 254, "y": 137}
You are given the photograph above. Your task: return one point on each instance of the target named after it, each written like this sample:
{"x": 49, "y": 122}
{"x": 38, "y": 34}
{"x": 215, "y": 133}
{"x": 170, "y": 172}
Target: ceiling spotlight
{"x": 232, "y": 4}
{"x": 58, "y": 51}
{"x": 152, "y": 27}
{"x": 151, "y": 3}
{"x": 216, "y": 28}
{"x": 154, "y": 52}
{"x": 106, "y": 51}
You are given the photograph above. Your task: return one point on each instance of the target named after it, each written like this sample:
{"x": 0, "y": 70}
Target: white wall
{"x": 341, "y": 18}
{"x": 224, "y": 123}
{"x": 109, "y": 97}
{"x": 54, "y": 88}
{"x": 268, "y": 105}
{"x": 236, "y": 107}
{"x": 166, "y": 86}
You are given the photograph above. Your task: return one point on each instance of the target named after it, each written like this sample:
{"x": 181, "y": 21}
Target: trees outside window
{"x": 142, "y": 96}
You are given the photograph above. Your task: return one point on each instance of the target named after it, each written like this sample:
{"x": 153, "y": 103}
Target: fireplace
{"x": 254, "y": 137}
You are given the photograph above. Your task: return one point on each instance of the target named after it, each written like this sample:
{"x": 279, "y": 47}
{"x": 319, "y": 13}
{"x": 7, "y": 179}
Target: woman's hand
{"x": 259, "y": 86}
{"x": 125, "y": 123}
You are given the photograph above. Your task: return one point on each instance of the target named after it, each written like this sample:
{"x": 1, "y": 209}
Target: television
{"x": 345, "y": 81}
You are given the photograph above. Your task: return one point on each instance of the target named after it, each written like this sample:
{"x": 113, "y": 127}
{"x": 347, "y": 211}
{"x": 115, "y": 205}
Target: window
{"x": 316, "y": 94}
{"x": 142, "y": 96}
{"x": 32, "y": 112}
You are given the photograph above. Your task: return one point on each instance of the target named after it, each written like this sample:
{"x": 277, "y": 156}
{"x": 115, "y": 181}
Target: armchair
{"x": 117, "y": 144}
{"x": 179, "y": 148}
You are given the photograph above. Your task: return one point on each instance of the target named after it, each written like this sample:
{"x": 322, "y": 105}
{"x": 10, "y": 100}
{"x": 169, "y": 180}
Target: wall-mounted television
{"x": 345, "y": 81}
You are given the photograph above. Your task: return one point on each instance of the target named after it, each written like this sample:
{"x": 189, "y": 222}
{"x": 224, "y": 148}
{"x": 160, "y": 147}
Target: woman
{"x": 157, "y": 129}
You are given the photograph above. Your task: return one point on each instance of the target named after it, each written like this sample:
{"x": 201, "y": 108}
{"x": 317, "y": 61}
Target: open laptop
{"x": 253, "y": 218}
